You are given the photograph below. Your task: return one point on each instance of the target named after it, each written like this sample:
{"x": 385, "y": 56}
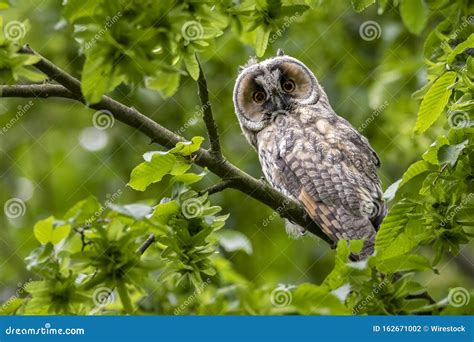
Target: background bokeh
{"x": 53, "y": 157}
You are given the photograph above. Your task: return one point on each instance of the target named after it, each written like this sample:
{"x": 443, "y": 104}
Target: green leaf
{"x": 449, "y": 153}
{"x": 135, "y": 210}
{"x": 186, "y": 148}
{"x": 60, "y": 233}
{"x": 360, "y": 5}
{"x": 431, "y": 156}
{"x": 85, "y": 210}
{"x": 355, "y": 246}
{"x": 188, "y": 178}
{"x": 392, "y": 225}
{"x": 414, "y": 170}
{"x": 468, "y": 43}
{"x": 165, "y": 210}
{"x": 75, "y": 9}
{"x": 12, "y": 305}
{"x": 4, "y": 4}
{"x": 165, "y": 82}
{"x": 434, "y": 102}
{"x": 413, "y": 234}
{"x": 150, "y": 172}
{"x": 43, "y": 230}
{"x": 403, "y": 263}
{"x": 414, "y": 15}
{"x": 96, "y": 78}
{"x": 261, "y": 40}
{"x": 312, "y": 299}
{"x": 232, "y": 241}
{"x": 391, "y": 191}
{"x": 192, "y": 65}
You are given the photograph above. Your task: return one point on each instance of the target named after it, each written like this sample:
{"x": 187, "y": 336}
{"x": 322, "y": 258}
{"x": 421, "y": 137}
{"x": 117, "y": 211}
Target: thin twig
{"x": 242, "y": 181}
{"x": 217, "y": 187}
{"x": 208, "y": 116}
{"x": 148, "y": 242}
{"x": 439, "y": 173}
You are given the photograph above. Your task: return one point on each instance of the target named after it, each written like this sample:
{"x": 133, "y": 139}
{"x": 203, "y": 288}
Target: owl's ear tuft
{"x": 250, "y": 62}
{"x": 280, "y": 52}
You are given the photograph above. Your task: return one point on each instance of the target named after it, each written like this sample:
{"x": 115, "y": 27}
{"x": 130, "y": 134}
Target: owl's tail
{"x": 341, "y": 224}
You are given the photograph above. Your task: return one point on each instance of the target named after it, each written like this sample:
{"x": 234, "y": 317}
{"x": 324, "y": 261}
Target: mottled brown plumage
{"x": 307, "y": 151}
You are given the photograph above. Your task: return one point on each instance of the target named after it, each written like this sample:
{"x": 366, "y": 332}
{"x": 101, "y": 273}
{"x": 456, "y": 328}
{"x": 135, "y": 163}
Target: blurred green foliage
{"x": 370, "y": 57}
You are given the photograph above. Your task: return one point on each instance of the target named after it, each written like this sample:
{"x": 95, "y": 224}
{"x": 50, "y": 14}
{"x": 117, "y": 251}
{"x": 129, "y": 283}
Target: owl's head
{"x": 273, "y": 87}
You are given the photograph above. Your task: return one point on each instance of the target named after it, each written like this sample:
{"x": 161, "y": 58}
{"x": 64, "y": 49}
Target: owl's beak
{"x": 279, "y": 102}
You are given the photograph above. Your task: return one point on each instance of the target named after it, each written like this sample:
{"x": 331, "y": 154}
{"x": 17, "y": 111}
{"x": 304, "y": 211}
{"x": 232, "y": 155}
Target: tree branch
{"x": 36, "y": 90}
{"x": 243, "y": 182}
{"x": 208, "y": 117}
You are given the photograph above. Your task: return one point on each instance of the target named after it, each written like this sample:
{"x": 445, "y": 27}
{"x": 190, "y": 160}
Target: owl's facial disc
{"x": 267, "y": 89}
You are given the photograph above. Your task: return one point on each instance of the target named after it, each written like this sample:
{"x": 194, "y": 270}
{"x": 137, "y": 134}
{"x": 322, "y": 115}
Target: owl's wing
{"x": 334, "y": 179}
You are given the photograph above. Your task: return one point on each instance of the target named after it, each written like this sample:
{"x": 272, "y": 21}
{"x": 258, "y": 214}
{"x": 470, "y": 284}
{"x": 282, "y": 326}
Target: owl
{"x": 307, "y": 151}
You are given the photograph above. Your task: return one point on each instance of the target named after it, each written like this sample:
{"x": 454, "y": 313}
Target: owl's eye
{"x": 258, "y": 97}
{"x": 288, "y": 86}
